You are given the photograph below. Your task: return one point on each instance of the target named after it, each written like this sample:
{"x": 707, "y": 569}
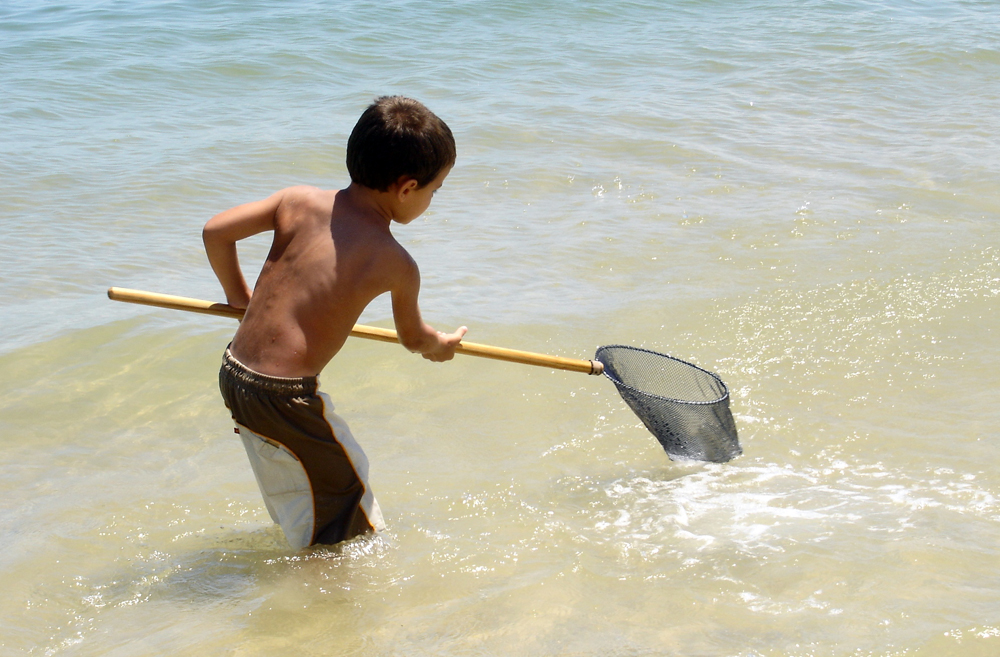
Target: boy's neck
{"x": 370, "y": 202}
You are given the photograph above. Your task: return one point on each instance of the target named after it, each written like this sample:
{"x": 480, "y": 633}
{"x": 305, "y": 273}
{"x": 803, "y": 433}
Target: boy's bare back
{"x": 327, "y": 262}
{"x": 332, "y": 254}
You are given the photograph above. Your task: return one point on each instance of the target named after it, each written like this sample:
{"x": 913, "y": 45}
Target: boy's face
{"x": 413, "y": 200}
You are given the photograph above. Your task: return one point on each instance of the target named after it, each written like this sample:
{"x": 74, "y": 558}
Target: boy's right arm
{"x": 221, "y": 234}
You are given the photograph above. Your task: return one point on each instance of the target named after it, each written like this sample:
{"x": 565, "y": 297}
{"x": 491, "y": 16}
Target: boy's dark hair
{"x": 398, "y": 136}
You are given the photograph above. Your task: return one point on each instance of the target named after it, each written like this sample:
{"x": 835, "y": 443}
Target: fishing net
{"x": 684, "y": 406}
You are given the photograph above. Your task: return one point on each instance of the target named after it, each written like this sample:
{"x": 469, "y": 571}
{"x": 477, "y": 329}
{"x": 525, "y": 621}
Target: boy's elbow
{"x": 214, "y": 235}
{"x": 210, "y": 232}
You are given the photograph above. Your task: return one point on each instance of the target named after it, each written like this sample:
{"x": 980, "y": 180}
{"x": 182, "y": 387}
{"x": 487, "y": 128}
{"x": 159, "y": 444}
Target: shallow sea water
{"x": 801, "y": 197}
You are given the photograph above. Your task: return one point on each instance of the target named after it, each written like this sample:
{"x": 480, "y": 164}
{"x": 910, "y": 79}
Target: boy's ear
{"x": 404, "y": 186}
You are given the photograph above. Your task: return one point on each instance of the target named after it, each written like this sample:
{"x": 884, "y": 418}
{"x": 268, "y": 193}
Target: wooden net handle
{"x": 360, "y": 331}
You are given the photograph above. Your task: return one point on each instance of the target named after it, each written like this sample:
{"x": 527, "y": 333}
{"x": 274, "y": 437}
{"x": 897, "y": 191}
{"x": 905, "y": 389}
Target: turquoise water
{"x": 799, "y": 196}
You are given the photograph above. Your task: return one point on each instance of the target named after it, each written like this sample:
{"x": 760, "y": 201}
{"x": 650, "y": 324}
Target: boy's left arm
{"x": 413, "y": 332}
{"x": 221, "y": 234}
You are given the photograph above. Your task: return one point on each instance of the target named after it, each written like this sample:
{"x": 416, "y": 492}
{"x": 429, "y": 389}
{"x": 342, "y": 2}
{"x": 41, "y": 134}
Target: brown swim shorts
{"x": 312, "y": 473}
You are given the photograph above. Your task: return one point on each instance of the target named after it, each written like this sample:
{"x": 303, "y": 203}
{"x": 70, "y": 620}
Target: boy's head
{"x": 398, "y": 137}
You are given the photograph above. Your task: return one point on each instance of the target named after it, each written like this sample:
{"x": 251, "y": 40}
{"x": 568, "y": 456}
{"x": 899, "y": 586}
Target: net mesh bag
{"x": 684, "y": 406}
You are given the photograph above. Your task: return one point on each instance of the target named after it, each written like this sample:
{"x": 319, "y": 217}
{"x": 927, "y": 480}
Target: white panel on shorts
{"x": 284, "y": 485}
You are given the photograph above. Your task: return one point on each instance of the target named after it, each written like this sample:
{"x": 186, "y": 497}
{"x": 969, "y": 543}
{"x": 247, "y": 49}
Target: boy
{"x": 332, "y": 253}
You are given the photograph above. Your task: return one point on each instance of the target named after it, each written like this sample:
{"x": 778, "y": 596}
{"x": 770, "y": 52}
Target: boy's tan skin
{"x": 332, "y": 254}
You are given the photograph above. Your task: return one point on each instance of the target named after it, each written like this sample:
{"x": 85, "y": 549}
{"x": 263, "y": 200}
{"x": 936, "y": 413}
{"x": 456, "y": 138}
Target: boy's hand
{"x": 447, "y": 343}
{"x": 241, "y": 301}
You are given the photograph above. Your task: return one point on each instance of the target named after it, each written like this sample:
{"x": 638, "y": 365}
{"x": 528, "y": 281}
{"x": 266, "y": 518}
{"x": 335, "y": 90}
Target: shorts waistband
{"x": 279, "y": 385}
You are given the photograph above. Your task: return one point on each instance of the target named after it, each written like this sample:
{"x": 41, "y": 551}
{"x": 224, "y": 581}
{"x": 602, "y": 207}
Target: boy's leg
{"x": 356, "y": 455}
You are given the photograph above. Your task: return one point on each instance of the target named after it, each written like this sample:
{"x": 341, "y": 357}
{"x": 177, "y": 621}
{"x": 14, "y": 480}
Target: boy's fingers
{"x": 456, "y": 336}
{"x": 448, "y": 343}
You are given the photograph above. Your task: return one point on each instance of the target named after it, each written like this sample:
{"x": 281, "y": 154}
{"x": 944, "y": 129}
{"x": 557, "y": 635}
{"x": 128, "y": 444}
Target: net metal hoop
{"x": 654, "y": 385}
{"x": 622, "y": 384}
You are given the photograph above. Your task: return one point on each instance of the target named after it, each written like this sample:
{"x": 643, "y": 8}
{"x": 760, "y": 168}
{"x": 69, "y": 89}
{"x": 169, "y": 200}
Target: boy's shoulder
{"x": 293, "y": 204}
{"x": 307, "y": 195}
{"x": 303, "y": 206}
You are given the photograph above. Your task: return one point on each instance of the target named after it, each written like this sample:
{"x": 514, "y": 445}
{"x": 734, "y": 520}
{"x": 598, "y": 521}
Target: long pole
{"x": 359, "y": 331}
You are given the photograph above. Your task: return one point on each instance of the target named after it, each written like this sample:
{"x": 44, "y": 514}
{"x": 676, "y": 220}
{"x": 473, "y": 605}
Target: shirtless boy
{"x": 332, "y": 253}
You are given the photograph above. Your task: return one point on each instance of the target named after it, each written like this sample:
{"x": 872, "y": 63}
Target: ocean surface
{"x": 803, "y": 197}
